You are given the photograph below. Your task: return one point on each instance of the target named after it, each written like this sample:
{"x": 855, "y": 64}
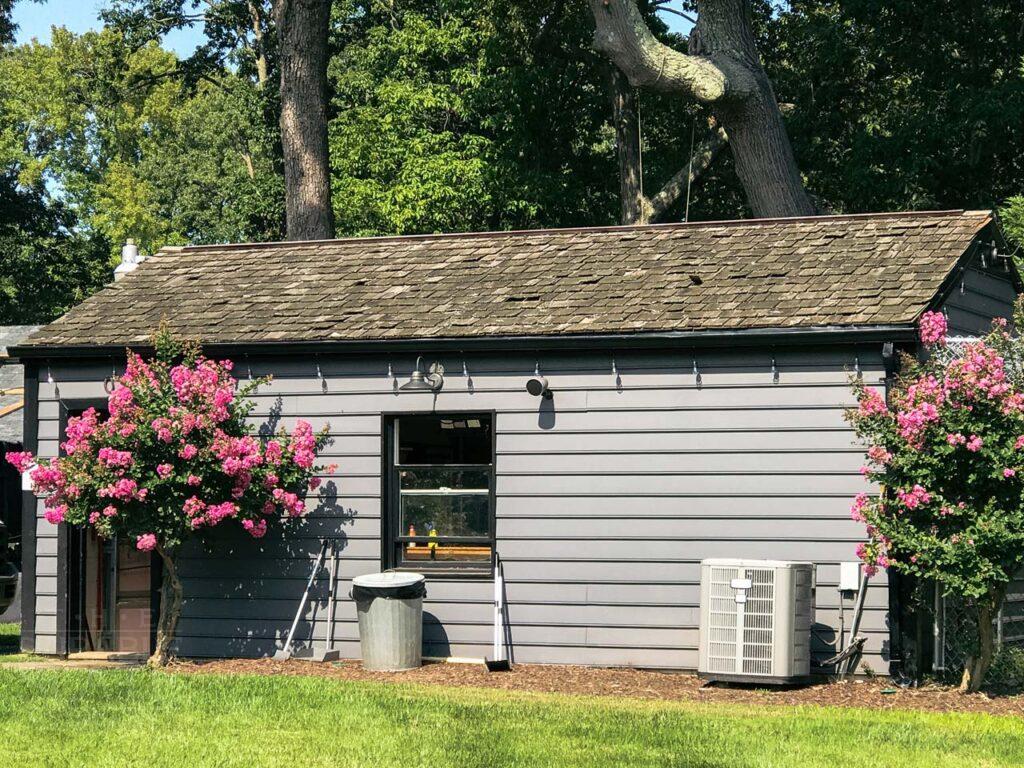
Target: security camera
{"x": 538, "y": 387}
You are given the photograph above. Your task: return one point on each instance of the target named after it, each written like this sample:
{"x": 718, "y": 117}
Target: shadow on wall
{"x": 273, "y": 422}
{"x": 241, "y": 594}
{"x": 546, "y": 413}
{"x": 435, "y": 638}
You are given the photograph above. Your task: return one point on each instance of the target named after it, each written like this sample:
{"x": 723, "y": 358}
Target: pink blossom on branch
{"x": 933, "y": 328}
{"x": 22, "y": 460}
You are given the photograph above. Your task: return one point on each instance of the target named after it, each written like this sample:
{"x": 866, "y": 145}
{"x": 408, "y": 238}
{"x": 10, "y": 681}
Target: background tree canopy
{"x": 454, "y": 115}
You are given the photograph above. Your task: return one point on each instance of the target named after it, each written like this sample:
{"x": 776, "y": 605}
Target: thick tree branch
{"x": 622, "y": 35}
{"x": 722, "y": 69}
{"x": 703, "y": 156}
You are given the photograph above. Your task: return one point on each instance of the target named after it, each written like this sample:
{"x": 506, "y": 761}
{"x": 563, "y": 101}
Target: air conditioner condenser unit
{"x": 755, "y": 620}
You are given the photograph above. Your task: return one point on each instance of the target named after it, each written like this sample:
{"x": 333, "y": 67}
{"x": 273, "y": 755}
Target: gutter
{"x": 750, "y": 337}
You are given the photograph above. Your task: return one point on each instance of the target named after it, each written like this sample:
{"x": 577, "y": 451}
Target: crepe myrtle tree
{"x": 175, "y": 457}
{"x": 947, "y": 450}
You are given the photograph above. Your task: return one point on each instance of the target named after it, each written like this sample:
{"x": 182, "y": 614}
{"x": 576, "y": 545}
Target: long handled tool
{"x": 286, "y": 653}
{"x": 499, "y": 662}
{"x": 329, "y": 653}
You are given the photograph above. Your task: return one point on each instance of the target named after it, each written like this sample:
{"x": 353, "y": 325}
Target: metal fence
{"x": 955, "y": 631}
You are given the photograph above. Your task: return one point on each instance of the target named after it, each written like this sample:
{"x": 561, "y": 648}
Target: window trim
{"x": 392, "y": 537}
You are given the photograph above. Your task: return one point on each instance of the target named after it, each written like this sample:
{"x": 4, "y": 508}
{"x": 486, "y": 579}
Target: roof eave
{"x": 751, "y": 337}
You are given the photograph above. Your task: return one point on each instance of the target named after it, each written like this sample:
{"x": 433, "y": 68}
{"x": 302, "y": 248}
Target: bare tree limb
{"x": 703, "y": 156}
{"x": 686, "y": 16}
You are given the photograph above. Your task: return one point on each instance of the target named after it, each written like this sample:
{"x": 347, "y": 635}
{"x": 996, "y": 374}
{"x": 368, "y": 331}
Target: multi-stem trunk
{"x": 978, "y": 663}
{"x": 170, "y": 609}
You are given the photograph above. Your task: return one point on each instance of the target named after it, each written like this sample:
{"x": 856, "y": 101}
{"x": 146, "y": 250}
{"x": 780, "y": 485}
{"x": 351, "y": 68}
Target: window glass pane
{"x": 437, "y": 478}
{"x": 432, "y": 439}
{"x": 445, "y": 515}
{"x": 463, "y": 553}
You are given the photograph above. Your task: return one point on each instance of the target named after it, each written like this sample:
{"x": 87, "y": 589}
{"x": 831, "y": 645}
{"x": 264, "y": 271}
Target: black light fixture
{"x": 425, "y": 382}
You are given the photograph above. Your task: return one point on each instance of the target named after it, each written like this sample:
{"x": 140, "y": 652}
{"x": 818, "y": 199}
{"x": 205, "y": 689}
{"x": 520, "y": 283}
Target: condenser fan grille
{"x": 741, "y": 629}
{"x": 759, "y": 622}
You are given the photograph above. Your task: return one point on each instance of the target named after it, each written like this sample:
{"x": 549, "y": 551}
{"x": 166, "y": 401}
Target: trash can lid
{"x": 388, "y": 580}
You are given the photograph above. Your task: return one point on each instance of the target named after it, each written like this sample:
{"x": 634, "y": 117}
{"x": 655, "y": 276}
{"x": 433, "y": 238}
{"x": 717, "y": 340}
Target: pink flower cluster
{"x": 114, "y": 458}
{"x": 873, "y": 557}
{"x": 914, "y": 498}
{"x": 256, "y": 528}
{"x": 933, "y": 328}
{"x": 146, "y": 542}
{"x": 22, "y": 460}
{"x": 200, "y": 513}
{"x": 79, "y": 430}
{"x": 879, "y": 455}
{"x": 292, "y": 504}
{"x": 872, "y": 403}
{"x": 303, "y": 445}
{"x": 123, "y": 489}
{"x": 980, "y": 373}
{"x": 857, "y": 510}
{"x": 206, "y": 387}
{"x": 919, "y": 407}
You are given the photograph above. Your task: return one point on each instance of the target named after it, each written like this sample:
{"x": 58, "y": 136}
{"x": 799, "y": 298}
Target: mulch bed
{"x": 630, "y": 683}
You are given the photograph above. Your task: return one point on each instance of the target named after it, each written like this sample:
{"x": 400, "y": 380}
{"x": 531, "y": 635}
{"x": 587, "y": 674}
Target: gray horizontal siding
{"x": 980, "y": 296}
{"x": 608, "y": 497}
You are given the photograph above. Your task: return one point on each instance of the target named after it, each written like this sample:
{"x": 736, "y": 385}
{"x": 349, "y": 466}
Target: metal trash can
{"x": 390, "y": 609}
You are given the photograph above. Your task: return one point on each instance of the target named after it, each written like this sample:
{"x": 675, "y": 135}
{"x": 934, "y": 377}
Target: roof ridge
{"x": 571, "y": 230}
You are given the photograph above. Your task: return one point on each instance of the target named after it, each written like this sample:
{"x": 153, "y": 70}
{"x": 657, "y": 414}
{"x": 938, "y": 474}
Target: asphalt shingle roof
{"x": 784, "y": 273}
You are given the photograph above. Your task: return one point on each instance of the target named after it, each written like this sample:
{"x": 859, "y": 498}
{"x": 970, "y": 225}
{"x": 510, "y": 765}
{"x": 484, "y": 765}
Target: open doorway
{"x": 112, "y": 587}
{"x": 113, "y": 601}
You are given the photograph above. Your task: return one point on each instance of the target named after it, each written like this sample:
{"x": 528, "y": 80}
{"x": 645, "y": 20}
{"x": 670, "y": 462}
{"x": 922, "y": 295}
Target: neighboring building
{"x": 12, "y": 419}
{"x": 699, "y": 374}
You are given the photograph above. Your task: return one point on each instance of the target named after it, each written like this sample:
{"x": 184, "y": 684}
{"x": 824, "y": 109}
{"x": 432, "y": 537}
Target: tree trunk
{"x": 302, "y": 27}
{"x": 723, "y": 70}
{"x": 763, "y": 156}
{"x": 170, "y": 610}
{"x": 977, "y": 664}
{"x": 627, "y": 144}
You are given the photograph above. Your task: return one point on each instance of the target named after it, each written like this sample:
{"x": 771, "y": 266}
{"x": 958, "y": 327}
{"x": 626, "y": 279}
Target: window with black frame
{"x": 441, "y": 477}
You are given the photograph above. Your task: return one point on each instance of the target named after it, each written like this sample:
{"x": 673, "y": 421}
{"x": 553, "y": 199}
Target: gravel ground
{"x": 631, "y": 683}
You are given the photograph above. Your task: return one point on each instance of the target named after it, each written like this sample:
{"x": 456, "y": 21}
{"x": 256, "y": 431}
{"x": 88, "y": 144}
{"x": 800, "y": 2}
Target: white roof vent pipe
{"x": 130, "y": 259}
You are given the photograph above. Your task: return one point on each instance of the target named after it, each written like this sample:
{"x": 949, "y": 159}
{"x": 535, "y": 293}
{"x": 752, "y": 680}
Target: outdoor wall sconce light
{"x": 425, "y": 382}
{"x": 538, "y": 387}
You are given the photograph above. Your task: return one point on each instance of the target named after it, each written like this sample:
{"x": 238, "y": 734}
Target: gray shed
{"x": 698, "y": 377}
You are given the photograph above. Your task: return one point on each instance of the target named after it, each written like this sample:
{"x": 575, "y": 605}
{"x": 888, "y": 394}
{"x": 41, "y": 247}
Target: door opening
{"x": 113, "y": 603}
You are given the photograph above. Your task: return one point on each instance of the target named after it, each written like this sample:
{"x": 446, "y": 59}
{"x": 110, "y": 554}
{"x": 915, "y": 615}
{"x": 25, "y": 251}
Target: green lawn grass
{"x": 144, "y": 718}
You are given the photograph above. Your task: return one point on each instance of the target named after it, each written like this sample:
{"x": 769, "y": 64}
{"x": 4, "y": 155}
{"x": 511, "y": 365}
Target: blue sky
{"x": 34, "y": 21}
